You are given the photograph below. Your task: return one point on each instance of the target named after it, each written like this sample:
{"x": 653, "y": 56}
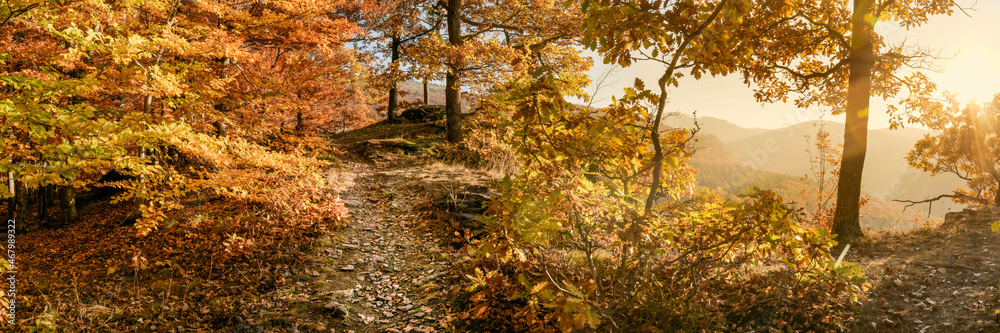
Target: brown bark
{"x": 996, "y": 197}
{"x": 44, "y": 201}
{"x": 12, "y": 201}
{"x": 846, "y": 222}
{"x": 67, "y": 202}
{"x": 147, "y": 105}
{"x": 394, "y": 91}
{"x": 220, "y": 128}
{"x": 22, "y": 201}
{"x": 453, "y": 85}
{"x": 426, "y": 101}
{"x": 300, "y": 124}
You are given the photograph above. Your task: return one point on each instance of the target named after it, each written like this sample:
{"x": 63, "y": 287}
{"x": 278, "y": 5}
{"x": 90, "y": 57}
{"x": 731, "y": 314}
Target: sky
{"x": 973, "y": 72}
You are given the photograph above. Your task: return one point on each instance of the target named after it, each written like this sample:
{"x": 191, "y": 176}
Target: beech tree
{"x": 490, "y": 43}
{"x": 967, "y": 145}
{"x": 393, "y": 26}
{"x": 90, "y": 87}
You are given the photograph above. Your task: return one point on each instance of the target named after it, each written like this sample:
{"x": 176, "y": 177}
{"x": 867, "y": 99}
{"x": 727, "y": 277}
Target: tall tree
{"x": 834, "y": 57}
{"x": 453, "y": 79}
{"x": 826, "y": 52}
{"x": 397, "y": 24}
{"x": 861, "y": 59}
{"x": 492, "y": 43}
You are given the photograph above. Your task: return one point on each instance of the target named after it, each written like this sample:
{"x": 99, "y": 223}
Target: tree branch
{"x": 931, "y": 200}
{"x": 807, "y": 77}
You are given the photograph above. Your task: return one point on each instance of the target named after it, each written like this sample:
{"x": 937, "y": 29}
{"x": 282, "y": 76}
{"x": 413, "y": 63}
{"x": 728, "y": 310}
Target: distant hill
{"x": 734, "y": 159}
{"x": 723, "y": 129}
{"x": 886, "y": 175}
{"x": 414, "y": 91}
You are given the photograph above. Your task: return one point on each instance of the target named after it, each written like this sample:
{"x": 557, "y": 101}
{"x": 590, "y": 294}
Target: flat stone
{"x": 348, "y": 268}
{"x": 338, "y": 310}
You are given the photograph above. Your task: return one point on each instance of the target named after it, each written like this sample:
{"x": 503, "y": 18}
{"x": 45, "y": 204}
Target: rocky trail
{"x": 390, "y": 267}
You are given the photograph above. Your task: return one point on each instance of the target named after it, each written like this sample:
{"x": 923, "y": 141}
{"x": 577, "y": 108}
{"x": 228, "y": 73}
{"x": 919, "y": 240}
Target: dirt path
{"x": 383, "y": 271}
{"x": 389, "y": 268}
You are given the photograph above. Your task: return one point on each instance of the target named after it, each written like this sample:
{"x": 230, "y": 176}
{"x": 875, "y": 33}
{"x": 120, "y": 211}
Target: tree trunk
{"x": 12, "y": 201}
{"x": 67, "y": 202}
{"x": 299, "y": 123}
{"x": 138, "y": 200}
{"x": 394, "y": 91}
{"x": 44, "y": 201}
{"x": 996, "y": 197}
{"x": 453, "y": 85}
{"x": 147, "y": 105}
{"x": 22, "y": 202}
{"x": 220, "y": 129}
{"x": 220, "y": 126}
{"x": 43, "y": 208}
{"x": 846, "y": 222}
{"x": 426, "y": 100}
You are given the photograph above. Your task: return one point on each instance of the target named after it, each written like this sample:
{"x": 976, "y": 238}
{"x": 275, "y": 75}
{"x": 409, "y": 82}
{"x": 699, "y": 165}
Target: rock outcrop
{"x": 424, "y": 114}
{"x": 971, "y": 217}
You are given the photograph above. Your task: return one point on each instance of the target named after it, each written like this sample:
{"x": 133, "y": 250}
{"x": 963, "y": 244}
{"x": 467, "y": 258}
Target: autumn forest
{"x": 446, "y": 166}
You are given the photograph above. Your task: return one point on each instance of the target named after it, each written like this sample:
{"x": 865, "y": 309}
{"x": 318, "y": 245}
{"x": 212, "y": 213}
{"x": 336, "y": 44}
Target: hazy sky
{"x": 973, "y": 72}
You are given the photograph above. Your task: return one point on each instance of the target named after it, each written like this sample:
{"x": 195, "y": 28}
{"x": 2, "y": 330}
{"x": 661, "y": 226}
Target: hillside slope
{"x": 887, "y": 175}
{"x": 720, "y": 128}
{"x": 933, "y": 280}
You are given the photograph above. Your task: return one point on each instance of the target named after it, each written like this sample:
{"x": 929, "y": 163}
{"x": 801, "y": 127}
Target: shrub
{"x": 570, "y": 246}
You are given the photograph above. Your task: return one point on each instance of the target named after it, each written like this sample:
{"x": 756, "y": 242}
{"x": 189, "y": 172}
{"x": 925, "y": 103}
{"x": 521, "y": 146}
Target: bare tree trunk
{"x": 147, "y": 105}
{"x": 67, "y": 201}
{"x": 22, "y": 201}
{"x": 12, "y": 201}
{"x": 394, "y": 91}
{"x": 220, "y": 126}
{"x": 44, "y": 201}
{"x": 453, "y": 84}
{"x": 846, "y": 222}
{"x": 299, "y": 123}
{"x": 426, "y": 100}
{"x": 996, "y": 197}
{"x": 137, "y": 201}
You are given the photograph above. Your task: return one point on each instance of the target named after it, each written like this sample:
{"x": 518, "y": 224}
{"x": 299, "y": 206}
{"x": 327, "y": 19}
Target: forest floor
{"x": 940, "y": 279}
{"x": 395, "y": 264}
{"x": 222, "y": 267}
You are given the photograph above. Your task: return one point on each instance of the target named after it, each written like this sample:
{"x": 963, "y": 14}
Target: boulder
{"x": 971, "y": 217}
{"x": 461, "y": 209}
{"x": 424, "y": 114}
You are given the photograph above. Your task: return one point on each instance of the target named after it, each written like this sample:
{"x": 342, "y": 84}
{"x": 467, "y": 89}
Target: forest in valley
{"x": 445, "y": 166}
